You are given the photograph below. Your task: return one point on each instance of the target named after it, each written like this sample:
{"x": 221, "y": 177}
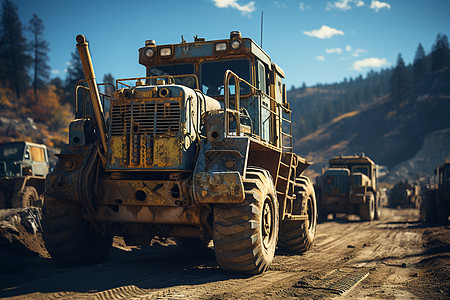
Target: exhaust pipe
{"x": 88, "y": 69}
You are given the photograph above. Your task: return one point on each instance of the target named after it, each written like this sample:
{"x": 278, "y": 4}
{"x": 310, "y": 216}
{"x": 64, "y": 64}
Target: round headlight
{"x": 236, "y": 44}
{"x": 149, "y": 52}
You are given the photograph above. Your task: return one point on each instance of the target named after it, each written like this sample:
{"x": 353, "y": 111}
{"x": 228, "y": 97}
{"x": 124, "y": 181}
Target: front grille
{"x": 149, "y": 118}
{"x": 336, "y": 181}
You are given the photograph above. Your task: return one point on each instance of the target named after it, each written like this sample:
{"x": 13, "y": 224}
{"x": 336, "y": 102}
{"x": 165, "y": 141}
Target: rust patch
{"x": 219, "y": 187}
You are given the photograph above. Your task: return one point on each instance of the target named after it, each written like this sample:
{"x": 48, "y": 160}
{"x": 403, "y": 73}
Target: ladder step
{"x": 297, "y": 217}
{"x": 284, "y": 164}
{"x": 282, "y": 178}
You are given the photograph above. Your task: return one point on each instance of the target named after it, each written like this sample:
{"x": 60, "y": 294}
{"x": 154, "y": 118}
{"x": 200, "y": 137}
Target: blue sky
{"x": 314, "y": 41}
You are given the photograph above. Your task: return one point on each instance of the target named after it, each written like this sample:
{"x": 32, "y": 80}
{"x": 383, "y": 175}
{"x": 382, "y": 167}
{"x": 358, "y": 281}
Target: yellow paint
{"x": 117, "y": 149}
{"x": 166, "y": 152}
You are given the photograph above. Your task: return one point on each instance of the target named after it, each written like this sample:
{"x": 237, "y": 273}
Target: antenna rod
{"x": 262, "y": 12}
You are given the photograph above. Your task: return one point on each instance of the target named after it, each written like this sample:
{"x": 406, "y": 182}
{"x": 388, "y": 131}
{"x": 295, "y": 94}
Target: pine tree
{"x": 74, "y": 74}
{"x": 420, "y": 65}
{"x": 108, "y": 78}
{"x": 40, "y": 57}
{"x": 14, "y": 59}
{"x": 75, "y": 70}
{"x": 440, "y": 53}
{"x": 400, "y": 81}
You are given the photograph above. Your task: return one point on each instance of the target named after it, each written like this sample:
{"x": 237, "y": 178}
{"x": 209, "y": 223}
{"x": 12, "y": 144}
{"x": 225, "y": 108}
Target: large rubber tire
{"x": 298, "y": 236}
{"x": 443, "y": 212}
{"x": 69, "y": 238}
{"x": 25, "y": 198}
{"x": 377, "y": 215}
{"x": 3, "y": 201}
{"x": 322, "y": 213}
{"x": 367, "y": 209}
{"x": 246, "y": 234}
{"x": 430, "y": 207}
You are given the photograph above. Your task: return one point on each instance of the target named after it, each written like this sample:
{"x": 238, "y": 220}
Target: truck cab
{"x": 350, "y": 185}
{"x": 23, "y": 168}
{"x": 202, "y": 65}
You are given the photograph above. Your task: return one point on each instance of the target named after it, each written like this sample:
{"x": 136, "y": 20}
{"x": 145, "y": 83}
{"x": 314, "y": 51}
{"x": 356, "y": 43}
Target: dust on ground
{"x": 397, "y": 257}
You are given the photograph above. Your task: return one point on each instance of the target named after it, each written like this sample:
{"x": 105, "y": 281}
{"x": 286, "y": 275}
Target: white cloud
{"x": 377, "y": 5}
{"x": 371, "y": 62}
{"x": 343, "y": 4}
{"x": 55, "y": 72}
{"x": 324, "y": 32}
{"x": 246, "y": 9}
{"x": 334, "y": 50}
{"x": 303, "y": 7}
{"x": 348, "y": 48}
{"x": 279, "y": 5}
{"x": 357, "y": 52}
{"x": 320, "y": 57}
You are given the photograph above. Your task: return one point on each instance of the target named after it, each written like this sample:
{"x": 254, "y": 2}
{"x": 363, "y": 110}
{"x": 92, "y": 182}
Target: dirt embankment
{"x": 394, "y": 258}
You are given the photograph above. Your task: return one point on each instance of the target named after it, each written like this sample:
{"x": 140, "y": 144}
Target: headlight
{"x": 236, "y": 44}
{"x": 221, "y": 47}
{"x": 149, "y": 52}
{"x": 165, "y": 51}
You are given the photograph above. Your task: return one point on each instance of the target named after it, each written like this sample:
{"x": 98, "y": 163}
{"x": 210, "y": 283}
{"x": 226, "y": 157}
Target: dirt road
{"x": 395, "y": 258}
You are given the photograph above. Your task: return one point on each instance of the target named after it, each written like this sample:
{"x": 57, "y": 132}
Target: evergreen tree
{"x": 40, "y": 57}
{"x": 420, "y": 65}
{"x": 75, "y": 70}
{"x": 14, "y": 59}
{"x": 74, "y": 74}
{"x": 440, "y": 53}
{"x": 400, "y": 82}
{"x": 108, "y": 78}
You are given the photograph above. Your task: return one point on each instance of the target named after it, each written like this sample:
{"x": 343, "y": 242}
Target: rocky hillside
{"x": 396, "y": 134}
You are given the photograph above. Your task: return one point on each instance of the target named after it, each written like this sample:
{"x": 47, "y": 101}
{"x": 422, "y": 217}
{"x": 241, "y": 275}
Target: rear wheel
{"x": 367, "y": 209}
{"x": 377, "y": 208}
{"x": 245, "y": 234}
{"x": 298, "y": 236}
{"x": 3, "y": 202}
{"x": 70, "y": 239}
{"x": 25, "y": 198}
{"x": 443, "y": 212}
{"x": 430, "y": 207}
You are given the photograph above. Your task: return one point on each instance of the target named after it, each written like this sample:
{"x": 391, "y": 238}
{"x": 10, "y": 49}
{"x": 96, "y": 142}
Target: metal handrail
{"x": 170, "y": 77}
{"x": 227, "y": 76}
{"x": 79, "y": 86}
{"x": 277, "y": 115}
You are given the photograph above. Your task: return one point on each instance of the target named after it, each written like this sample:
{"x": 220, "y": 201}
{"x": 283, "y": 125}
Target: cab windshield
{"x": 182, "y": 69}
{"x": 212, "y": 76}
{"x": 361, "y": 169}
{"x": 11, "y": 152}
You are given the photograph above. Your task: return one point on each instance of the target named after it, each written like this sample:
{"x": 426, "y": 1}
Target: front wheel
{"x": 298, "y": 236}
{"x": 25, "y": 198}
{"x": 367, "y": 209}
{"x": 377, "y": 215}
{"x": 70, "y": 239}
{"x": 3, "y": 201}
{"x": 246, "y": 234}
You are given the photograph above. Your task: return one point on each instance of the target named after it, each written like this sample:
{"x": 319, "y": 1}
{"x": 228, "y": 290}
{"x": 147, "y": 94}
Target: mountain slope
{"x": 390, "y": 131}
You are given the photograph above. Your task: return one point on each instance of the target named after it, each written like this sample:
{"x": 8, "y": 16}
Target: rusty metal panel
{"x": 218, "y": 187}
{"x": 167, "y": 152}
{"x": 142, "y": 192}
{"x": 147, "y": 214}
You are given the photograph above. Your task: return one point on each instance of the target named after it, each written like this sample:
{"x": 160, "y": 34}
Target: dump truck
{"x": 349, "y": 185}
{"x": 435, "y": 206}
{"x": 23, "y": 168}
{"x": 200, "y": 148}
{"x": 404, "y": 194}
